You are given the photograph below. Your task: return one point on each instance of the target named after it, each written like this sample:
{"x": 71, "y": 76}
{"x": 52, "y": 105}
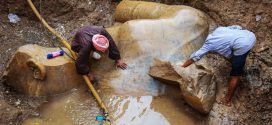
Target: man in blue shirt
{"x": 233, "y": 43}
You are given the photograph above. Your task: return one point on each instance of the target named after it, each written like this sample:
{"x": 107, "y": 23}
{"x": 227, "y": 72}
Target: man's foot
{"x": 223, "y": 101}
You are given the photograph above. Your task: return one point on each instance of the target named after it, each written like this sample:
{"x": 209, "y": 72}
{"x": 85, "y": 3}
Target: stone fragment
{"x": 197, "y": 83}
{"x": 198, "y": 86}
{"x": 31, "y": 73}
{"x": 164, "y": 72}
{"x": 150, "y": 30}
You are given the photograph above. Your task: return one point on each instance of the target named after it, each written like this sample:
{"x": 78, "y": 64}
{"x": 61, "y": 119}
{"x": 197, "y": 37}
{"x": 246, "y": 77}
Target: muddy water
{"x": 78, "y": 107}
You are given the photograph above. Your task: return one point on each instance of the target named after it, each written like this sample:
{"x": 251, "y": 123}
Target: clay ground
{"x": 253, "y": 103}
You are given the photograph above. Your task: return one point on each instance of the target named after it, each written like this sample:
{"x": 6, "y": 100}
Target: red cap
{"x": 100, "y": 42}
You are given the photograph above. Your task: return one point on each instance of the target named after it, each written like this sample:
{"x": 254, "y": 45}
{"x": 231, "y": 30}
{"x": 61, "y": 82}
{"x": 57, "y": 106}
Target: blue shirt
{"x": 226, "y": 41}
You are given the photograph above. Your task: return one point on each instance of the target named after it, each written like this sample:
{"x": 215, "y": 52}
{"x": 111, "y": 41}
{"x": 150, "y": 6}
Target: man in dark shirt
{"x": 84, "y": 42}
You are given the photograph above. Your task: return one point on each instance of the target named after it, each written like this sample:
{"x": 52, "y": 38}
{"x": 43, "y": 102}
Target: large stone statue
{"x": 147, "y": 31}
{"x": 197, "y": 82}
{"x": 31, "y": 73}
{"x": 168, "y": 34}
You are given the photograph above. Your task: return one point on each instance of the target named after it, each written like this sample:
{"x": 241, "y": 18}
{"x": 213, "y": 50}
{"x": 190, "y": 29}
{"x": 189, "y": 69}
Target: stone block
{"x": 30, "y": 72}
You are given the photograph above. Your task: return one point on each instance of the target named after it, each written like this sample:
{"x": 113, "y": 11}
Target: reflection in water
{"x": 136, "y": 111}
{"x": 78, "y": 107}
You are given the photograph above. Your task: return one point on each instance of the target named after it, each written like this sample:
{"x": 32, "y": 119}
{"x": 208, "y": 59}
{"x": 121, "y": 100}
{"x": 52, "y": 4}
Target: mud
{"x": 252, "y": 103}
{"x": 78, "y": 107}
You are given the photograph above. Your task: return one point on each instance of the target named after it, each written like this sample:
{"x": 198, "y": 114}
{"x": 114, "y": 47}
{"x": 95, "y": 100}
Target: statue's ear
{"x": 39, "y": 71}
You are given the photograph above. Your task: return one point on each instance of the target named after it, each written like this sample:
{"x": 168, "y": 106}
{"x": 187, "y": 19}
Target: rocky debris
{"x": 31, "y": 73}
{"x": 197, "y": 83}
{"x": 265, "y": 56}
{"x": 8, "y": 114}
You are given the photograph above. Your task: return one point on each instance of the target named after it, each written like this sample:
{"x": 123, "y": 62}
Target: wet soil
{"x": 252, "y": 102}
{"x": 78, "y": 107}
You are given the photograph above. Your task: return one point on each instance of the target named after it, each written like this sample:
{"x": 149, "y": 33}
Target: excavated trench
{"x": 78, "y": 106}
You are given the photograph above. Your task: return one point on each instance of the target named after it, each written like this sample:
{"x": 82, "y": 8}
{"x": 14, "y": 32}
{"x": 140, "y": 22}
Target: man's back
{"x": 228, "y": 41}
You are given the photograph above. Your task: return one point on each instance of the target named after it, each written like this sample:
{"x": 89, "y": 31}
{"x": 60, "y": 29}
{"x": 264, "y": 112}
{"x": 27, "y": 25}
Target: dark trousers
{"x": 237, "y": 64}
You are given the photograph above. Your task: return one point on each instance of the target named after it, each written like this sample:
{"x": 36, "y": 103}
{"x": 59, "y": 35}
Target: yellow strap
{"x": 67, "y": 45}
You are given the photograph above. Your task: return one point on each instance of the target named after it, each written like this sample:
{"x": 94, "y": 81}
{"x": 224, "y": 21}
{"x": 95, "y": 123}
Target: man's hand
{"x": 187, "y": 63}
{"x": 120, "y": 64}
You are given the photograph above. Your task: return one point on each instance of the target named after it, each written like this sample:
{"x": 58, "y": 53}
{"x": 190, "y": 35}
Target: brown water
{"x": 78, "y": 107}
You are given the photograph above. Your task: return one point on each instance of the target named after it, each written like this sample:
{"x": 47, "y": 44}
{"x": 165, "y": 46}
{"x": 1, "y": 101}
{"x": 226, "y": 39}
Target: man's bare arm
{"x": 188, "y": 63}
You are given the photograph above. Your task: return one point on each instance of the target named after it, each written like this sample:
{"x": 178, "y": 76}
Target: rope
{"x": 65, "y": 43}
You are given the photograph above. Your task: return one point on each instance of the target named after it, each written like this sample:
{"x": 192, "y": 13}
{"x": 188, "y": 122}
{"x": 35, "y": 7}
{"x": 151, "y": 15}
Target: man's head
{"x": 100, "y": 42}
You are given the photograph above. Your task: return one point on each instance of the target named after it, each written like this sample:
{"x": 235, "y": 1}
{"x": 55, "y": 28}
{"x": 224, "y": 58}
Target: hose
{"x": 67, "y": 45}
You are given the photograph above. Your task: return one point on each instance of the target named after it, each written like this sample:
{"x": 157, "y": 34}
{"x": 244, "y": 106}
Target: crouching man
{"x": 233, "y": 43}
{"x": 94, "y": 38}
